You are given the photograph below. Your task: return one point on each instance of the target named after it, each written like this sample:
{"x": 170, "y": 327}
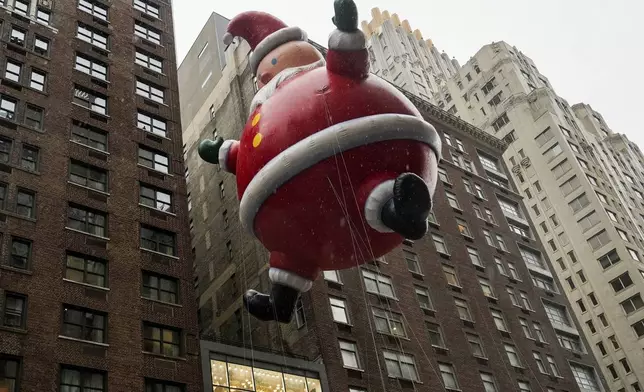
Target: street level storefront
{"x": 229, "y": 368}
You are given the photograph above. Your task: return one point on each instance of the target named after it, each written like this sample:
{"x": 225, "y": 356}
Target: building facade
{"x": 95, "y": 280}
{"x": 473, "y": 306}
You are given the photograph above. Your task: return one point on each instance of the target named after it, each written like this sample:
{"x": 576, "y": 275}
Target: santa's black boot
{"x": 279, "y": 305}
{"x": 406, "y": 213}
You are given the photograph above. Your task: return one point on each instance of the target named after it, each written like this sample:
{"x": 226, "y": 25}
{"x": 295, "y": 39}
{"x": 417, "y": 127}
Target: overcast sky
{"x": 592, "y": 51}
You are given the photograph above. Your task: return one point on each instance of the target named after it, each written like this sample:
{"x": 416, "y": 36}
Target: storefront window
{"x": 231, "y": 377}
{"x": 219, "y": 373}
{"x": 294, "y": 383}
{"x": 268, "y": 381}
{"x": 241, "y": 377}
{"x": 314, "y": 385}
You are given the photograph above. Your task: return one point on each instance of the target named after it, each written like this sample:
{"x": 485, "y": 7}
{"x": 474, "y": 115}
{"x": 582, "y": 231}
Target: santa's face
{"x": 291, "y": 54}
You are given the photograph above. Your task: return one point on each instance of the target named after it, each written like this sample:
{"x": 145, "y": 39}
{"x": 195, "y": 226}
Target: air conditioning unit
{"x": 45, "y": 3}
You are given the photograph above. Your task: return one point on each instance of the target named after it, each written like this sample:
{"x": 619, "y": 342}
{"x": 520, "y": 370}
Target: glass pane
{"x": 241, "y": 376}
{"x": 268, "y": 380}
{"x": 74, "y": 275}
{"x": 75, "y": 262}
{"x": 294, "y": 383}
{"x": 314, "y": 385}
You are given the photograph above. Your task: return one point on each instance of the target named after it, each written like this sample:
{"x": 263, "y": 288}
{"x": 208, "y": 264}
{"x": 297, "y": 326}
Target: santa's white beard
{"x": 269, "y": 89}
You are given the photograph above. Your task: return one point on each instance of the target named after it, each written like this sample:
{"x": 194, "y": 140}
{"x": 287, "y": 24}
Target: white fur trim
{"x": 326, "y": 143}
{"x": 289, "y": 279}
{"x": 272, "y": 41}
{"x": 343, "y": 41}
{"x": 373, "y": 207}
{"x": 223, "y": 154}
{"x": 269, "y": 89}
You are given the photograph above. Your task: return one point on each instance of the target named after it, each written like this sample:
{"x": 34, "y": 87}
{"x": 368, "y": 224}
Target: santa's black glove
{"x": 346, "y": 15}
{"x": 209, "y": 150}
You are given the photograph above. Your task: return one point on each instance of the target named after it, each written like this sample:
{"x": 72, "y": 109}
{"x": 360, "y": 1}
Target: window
{"x": 613, "y": 341}
{"x": 435, "y": 335}
{"x": 477, "y": 211}
{"x": 154, "y": 160}
{"x": 161, "y": 340}
{"x": 474, "y": 256}
{"x": 500, "y": 122}
{"x": 18, "y": 36}
{"x": 476, "y": 346}
{"x": 463, "y": 228}
{"x": 442, "y": 174}
{"x": 609, "y": 259}
{"x": 557, "y": 314}
{"x": 514, "y": 274}
{"x": 489, "y": 163}
{"x": 378, "y": 284}
{"x": 151, "y": 124}
{"x": 146, "y": 90}
{"x": 389, "y": 323}
{"x": 612, "y": 216}
{"x": 582, "y": 277}
{"x": 82, "y": 380}
{"x": 20, "y": 253}
{"x": 599, "y": 240}
{"x": 5, "y": 149}
{"x": 499, "y": 320}
{"x": 512, "y": 354}
{"x": 489, "y": 86}
{"x": 87, "y": 220}
{"x": 14, "y": 312}
{"x": 8, "y": 107}
{"x": 496, "y": 99}
{"x": 400, "y": 365}
{"x": 160, "y": 288}
{"x": 490, "y": 216}
{"x": 450, "y": 275}
{"x": 90, "y": 66}
{"x": 585, "y": 377}
{"x": 535, "y": 208}
{"x": 489, "y": 385}
{"x": 452, "y": 200}
{"x": 532, "y": 258}
{"x": 87, "y": 175}
{"x": 85, "y": 269}
{"x": 602, "y": 349}
{"x": 155, "y": 198}
{"x": 448, "y": 375}
{"x": 513, "y": 296}
{"x": 570, "y": 342}
{"x": 459, "y": 145}
{"x": 21, "y": 6}
{"x": 468, "y": 186}
{"x": 93, "y": 36}
{"x": 149, "y": 61}
{"x": 439, "y": 243}
{"x": 333, "y": 276}
{"x": 463, "y": 309}
{"x": 539, "y": 361}
{"x": 571, "y": 283}
{"x": 89, "y": 136}
{"x": 625, "y": 365}
{"x": 634, "y": 255}
{"x": 147, "y": 33}
{"x": 90, "y": 100}
{"x": 602, "y": 198}
{"x": 13, "y": 71}
{"x": 510, "y": 208}
{"x": 638, "y": 327}
{"x": 479, "y": 191}
{"x": 525, "y": 328}
{"x": 589, "y": 221}
{"x": 592, "y": 180}
{"x": 84, "y": 324}
{"x": 622, "y": 234}
{"x": 164, "y": 386}
{"x": 562, "y": 168}
{"x": 501, "y": 243}
{"x": 41, "y": 45}
{"x": 538, "y": 331}
{"x": 448, "y": 139}
{"x": 552, "y": 152}
{"x": 34, "y": 116}
{"x": 147, "y": 7}
{"x": 581, "y": 305}
{"x": 544, "y": 137}
{"x": 603, "y": 320}
{"x": 613, "y": 372}
{"x": 412, "y": 261}
{"x": 158, "y": 240}
{"x": 339, "y": 310}
{"x": 488, "y": 237}
{"x": 93, "y": 8}
{"x": 37, "y": 80}
{"x": 621, "y": 282}
{"x": 632, "y": 304}
{"x": 524, "y": 386}
{"x": 424, "y": 300}
{"x": 349, "y": 352}
{"x": 525, "y": 300}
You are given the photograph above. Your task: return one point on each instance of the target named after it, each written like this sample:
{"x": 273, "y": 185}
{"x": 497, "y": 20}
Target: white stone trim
{"x": 380, "y": 195}
{"x": 289, "y": 279}
{"x": 223, "y": 154}
{"x": 326, "y": 143}
{"x": 344, "y": 41}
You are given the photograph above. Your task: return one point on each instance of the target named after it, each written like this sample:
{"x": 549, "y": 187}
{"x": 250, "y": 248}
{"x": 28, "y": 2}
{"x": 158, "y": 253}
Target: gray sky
{"x": 592, "y": 51}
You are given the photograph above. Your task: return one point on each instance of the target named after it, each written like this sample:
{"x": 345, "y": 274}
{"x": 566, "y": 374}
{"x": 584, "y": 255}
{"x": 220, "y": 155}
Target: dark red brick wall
{"x": 39, "y": 347}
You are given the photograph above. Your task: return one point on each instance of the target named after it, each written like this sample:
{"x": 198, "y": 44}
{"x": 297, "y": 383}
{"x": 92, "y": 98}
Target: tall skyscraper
{"x": 95, "y": 280}
{"x": 582, "y": 185}
{"x": 473, "y": 306}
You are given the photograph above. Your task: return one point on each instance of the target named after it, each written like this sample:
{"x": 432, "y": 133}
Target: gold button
{"x": 256, "y": 119}
{"x": 257, "y": 139}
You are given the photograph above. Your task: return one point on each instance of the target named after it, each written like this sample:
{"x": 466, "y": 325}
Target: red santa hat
{"x": 263, "y": 32}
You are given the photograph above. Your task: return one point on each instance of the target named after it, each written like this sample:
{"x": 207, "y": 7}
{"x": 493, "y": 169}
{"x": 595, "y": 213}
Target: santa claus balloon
{"x": 335, "y": 167}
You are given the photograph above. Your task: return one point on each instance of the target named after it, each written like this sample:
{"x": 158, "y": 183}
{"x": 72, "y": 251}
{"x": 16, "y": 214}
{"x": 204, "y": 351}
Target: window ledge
{"x": 353, "y": 369}
{"x": 90, "y": 147}
{"x": 155, "y": 170}
{"x": 88, "y": 188}
{"x": 162, "y": 302}
{"x": 157, "y": 210}
{"x": 83, "y": 341}
{"x": 480, "y": 357}
{"x": 27, "y": 127}
{"x": 158, "y": 253}
{"x": 13, "y": 329}
{"x": 154, "y": 134}
{"x": 441, "y": 348}
{"x": 87, "y": 285}
{"x": 18, "y": 216}
{"x": 34, "y": 172}
{"x": 91, "y": 111}
{"x": 18, "y": 270}
{"x": 334, "y": 282}
{"x": 168, "y": 357}
{"x": 88, "y": 234}
{"x": 343, "y": 323}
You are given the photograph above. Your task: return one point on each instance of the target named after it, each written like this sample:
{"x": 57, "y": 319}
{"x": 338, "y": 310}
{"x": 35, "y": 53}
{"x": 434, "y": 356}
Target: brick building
{"x": 473, "y": 306}
{"x": 95, "y": 284}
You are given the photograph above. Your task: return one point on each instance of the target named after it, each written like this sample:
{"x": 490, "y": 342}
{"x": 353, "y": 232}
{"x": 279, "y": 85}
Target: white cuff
{"x": 343, "y": 41}
{"x": 380, "y": 195}
{"x": 289, "y": 279}
{"x": 223, "y": 154}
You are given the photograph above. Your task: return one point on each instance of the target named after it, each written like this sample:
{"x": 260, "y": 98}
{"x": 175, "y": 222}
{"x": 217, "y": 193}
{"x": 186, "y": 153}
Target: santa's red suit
{"x": 326, "y": 154}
